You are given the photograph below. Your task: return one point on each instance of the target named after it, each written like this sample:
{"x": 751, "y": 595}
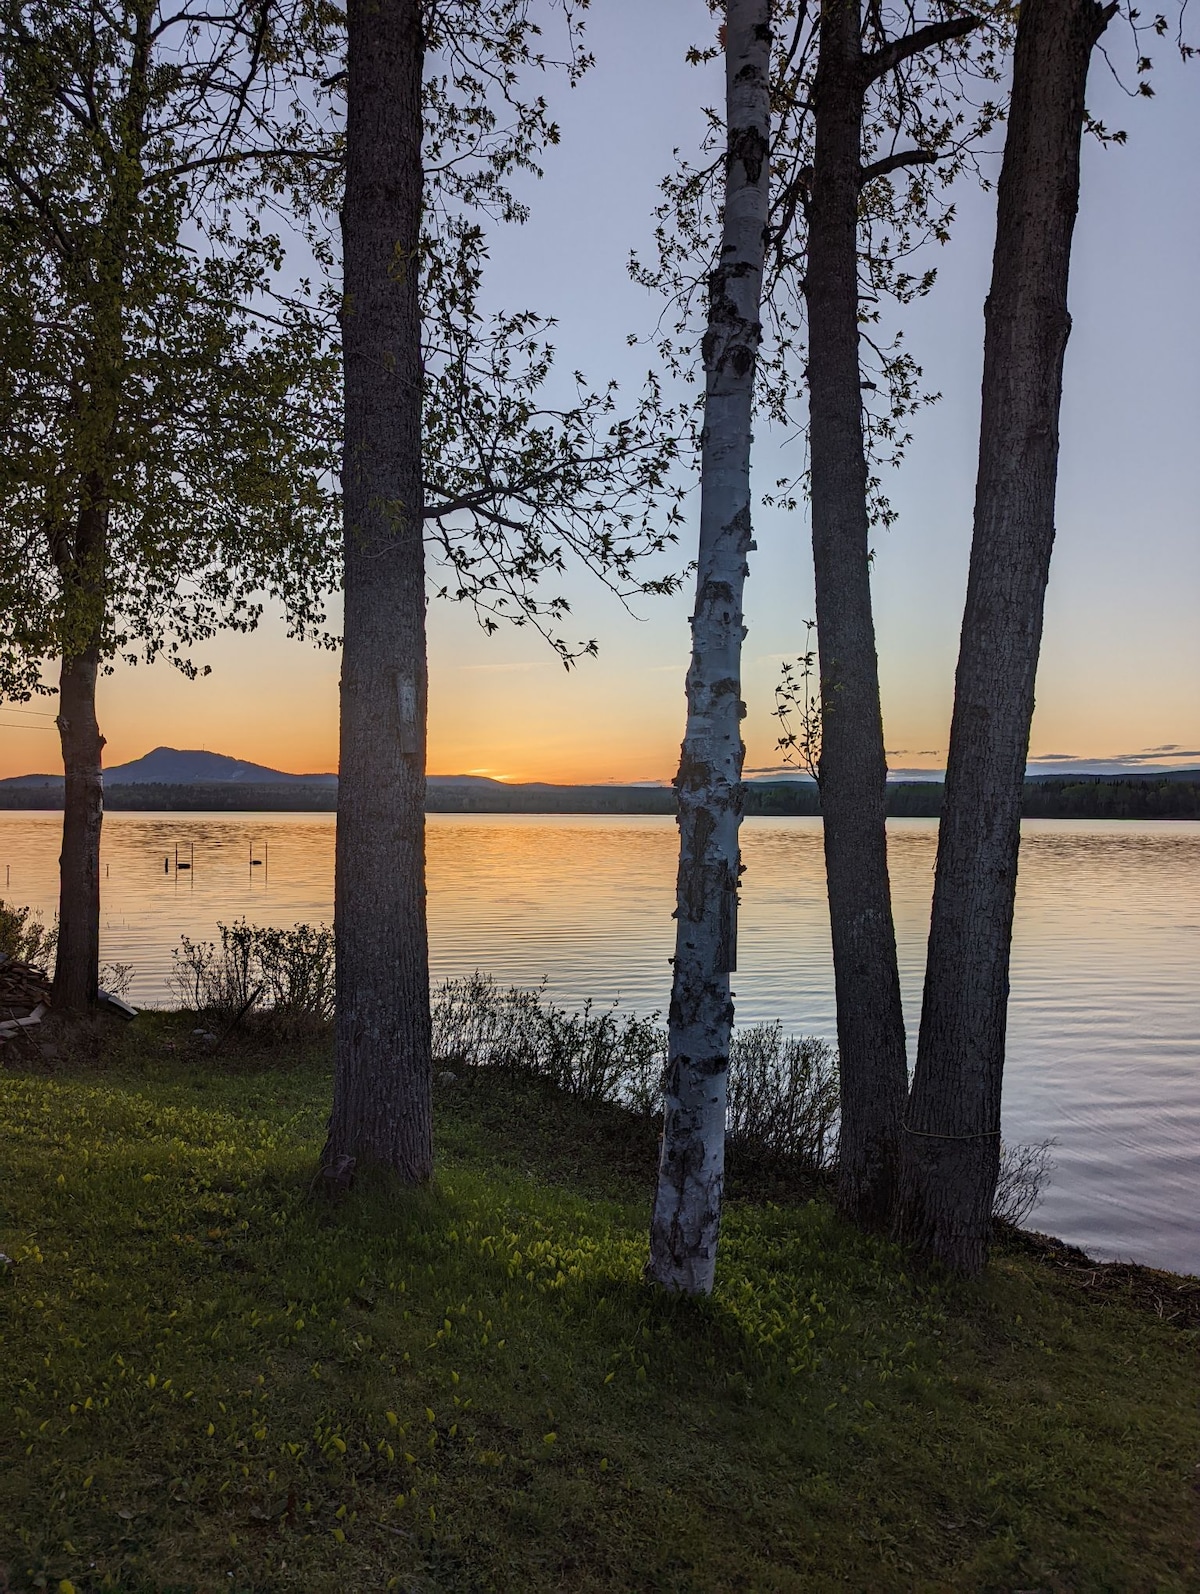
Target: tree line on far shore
{"x": 1096, "y": 797}
{"x": 192, "y": 426}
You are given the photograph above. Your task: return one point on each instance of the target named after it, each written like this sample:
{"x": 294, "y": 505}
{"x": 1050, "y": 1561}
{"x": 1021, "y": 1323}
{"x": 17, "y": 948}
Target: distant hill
{"x": 173, "y": 766}
{"x": 173, "y": 779}
{"x": 1078, "y": 798}
{"x": 1145, "y": 772}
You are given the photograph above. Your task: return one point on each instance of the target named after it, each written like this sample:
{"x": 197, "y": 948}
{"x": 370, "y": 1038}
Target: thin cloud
{"x": 1147, "y": 755}
{"x": 792, "y": 771}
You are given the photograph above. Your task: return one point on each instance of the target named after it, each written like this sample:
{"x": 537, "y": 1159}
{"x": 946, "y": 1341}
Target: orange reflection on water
{"x": 1104, "y": 1016}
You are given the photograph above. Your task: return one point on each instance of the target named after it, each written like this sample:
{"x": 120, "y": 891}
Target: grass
{"x": 215, "y": 1382}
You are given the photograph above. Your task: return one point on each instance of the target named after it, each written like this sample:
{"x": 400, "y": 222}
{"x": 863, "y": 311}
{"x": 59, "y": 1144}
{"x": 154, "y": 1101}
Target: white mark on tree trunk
{"x": 406, "y": 703}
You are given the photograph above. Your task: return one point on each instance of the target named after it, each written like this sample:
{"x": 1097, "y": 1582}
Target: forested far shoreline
{"x": 1072, "y": 797}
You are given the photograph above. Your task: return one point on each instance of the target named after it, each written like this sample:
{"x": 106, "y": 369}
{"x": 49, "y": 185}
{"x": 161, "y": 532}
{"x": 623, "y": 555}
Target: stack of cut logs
{"x": 24, "y": 996}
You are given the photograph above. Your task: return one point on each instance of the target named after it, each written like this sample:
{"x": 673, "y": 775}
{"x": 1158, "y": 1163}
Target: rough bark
{"x": 687, "y": 1208}
{"x": 77, "y": 962}
{"x": 81, "y": 555}
{"x": 382, "y": 1111}
{"x": 952, "y": 1140}
{"x": 870, "y": 1020}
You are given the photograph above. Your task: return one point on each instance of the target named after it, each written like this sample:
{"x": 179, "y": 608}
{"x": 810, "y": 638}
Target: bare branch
{"x": 884, "y": 60}
{"x": 892, "y": 163}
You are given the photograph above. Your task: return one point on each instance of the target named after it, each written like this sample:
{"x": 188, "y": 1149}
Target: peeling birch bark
{"x": 687, "y": 1207}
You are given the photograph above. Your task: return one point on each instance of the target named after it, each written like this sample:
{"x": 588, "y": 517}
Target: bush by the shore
{"x": 783, "y": 1089}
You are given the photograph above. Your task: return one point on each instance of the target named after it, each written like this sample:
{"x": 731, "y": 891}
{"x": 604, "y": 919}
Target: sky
{"x": 1119, "y": 684}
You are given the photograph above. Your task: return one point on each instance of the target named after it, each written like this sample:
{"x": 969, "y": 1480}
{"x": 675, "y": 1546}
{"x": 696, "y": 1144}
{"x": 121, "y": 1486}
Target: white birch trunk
{"x": 687, "y": 1207}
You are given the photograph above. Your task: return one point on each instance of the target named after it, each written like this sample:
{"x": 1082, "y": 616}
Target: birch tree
{"x": 166, "y": 415}
{"x": 687, "y": 1206}
{"x": 870, "y": 130}
{"x": 952, "y": 1141}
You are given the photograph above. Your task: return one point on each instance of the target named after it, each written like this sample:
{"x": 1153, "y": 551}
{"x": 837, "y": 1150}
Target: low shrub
{"x": 480, "y": 1024}
{"x": 116, "y": 978}
{"x": 1024, "y": 1173}
{"x": 783, "y": 1096}
{"x": 593, "y": 1055}
{"x": 783, "y": 1090}
{"x": 25, "y": 937}
{"x": 296, "y": 967}
{"x": 783, "y": 1103}
{"x": 285, "y": 975}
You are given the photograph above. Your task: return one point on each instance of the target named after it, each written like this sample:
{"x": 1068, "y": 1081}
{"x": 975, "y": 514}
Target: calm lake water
{"x": 1104, "y": 1031}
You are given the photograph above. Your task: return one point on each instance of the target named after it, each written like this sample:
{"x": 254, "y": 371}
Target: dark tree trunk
{"x": 952, "y": 1143}
{"x": 77, "y": 964}
{"x": 853, "y": 763}
{"x": 687, "y": 1206}
{"x": 81, "y": 560}
{"x": 382, "y": 1111}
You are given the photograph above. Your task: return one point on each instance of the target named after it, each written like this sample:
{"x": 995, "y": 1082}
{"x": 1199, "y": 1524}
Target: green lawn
{"x": 215, "y": 1382}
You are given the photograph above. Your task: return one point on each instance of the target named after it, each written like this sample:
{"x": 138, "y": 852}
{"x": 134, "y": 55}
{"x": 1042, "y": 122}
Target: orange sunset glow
{"x": 500, "y": 708}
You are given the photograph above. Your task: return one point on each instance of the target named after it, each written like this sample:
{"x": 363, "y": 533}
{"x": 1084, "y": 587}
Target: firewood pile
{"x": 24, "y": 996}
{"x": 25, "y": 1001}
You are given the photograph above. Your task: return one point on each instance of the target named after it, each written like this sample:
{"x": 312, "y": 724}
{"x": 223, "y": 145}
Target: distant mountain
{"x": 173, "y": 766}
{"x": 463, "y": 780}
{"x": 31, "y": 780}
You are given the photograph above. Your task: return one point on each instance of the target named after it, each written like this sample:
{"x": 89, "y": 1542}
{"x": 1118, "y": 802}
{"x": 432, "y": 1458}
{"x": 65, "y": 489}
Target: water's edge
{"x": 1104, "y": 1015}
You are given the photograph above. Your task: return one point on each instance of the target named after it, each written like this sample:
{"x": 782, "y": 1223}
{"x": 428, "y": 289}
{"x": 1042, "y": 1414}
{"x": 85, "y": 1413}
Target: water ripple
{"x": 1104, "y": 1018}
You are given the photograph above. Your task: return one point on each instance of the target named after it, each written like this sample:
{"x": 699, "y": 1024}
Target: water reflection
{"x": 1104, "y": 1021}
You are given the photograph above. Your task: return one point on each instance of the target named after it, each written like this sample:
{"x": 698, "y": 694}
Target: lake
{"x": 1104, "y": 1027}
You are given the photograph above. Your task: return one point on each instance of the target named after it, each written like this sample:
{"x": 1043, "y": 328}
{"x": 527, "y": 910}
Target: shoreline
{"x": 1171, "y": 1296}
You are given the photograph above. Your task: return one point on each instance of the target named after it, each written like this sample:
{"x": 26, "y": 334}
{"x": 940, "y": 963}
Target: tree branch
{"x": 42, "y": 207}
{"x": 478, "y": 502}
{"x": 892, "y": 163}
{"x": 890, "y": 56}
{"x": 796, "y": 194}
{"x": 238, "y": 158}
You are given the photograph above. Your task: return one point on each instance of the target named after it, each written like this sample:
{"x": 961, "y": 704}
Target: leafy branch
{"x": 798, "y": 709}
